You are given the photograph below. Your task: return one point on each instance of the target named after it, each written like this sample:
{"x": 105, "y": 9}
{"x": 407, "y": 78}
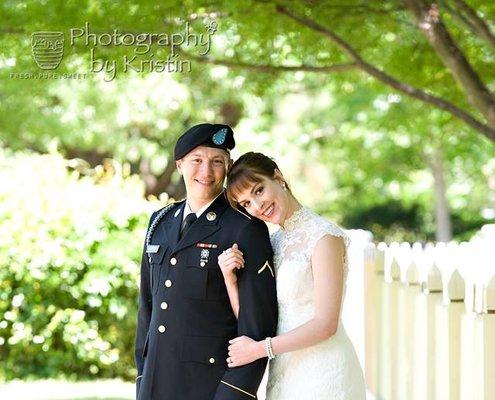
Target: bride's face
{"x": 266, "y": 200}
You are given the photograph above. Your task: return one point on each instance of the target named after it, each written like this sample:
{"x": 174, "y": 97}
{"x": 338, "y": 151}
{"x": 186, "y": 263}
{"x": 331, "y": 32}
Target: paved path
{"x": 62, "y": 390}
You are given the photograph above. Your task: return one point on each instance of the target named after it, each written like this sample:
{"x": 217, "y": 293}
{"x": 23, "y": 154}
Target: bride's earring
{"x": 284, "y": 186}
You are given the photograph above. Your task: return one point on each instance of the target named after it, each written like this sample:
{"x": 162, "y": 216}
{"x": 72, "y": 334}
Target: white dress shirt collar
{"x": 187, "y": 208}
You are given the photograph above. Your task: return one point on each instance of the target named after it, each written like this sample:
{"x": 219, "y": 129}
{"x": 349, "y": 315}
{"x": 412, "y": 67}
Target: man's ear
{"x": 229, "y": 165}
{"x": 178, "y": 164}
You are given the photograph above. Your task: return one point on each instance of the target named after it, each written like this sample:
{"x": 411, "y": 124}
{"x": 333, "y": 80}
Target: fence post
{"x": 387, "y": 373}
{"x": 448, "y": 337}
{"x": 405, "y": 325}
{"x": 467, "y": 387}
{"x": 484, "y": 343}
{"x": 487, "y": 350}
{"x": 424, "y": 333}
{"x": 374, "y": 259}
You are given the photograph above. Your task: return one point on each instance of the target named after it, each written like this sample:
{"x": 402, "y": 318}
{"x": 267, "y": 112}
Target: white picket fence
{"x": 430, "y": 319}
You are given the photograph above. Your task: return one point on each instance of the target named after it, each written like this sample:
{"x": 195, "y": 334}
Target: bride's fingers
{"x": 231, "y": 341}
{"x": 231, "y": 260}
{"x": 234, "y": 256}
{"x": 237, "y": 261}
{"x": 232, "y": 363}
{"x": 229, "y": 268}
{"x": 224, "y": 257}
{"x": 233, "y": 249}
{"x": 237, "y": 265}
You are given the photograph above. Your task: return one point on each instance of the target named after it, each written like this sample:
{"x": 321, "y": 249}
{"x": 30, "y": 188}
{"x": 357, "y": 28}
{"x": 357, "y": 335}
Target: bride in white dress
{"x": 313, "y": 356}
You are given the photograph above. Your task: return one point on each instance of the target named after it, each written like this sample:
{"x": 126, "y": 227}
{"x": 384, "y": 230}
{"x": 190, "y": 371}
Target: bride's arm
{"x": 233, "y": 291}
{"x": 229, "y": 261}
{"x": 328, "y": 275}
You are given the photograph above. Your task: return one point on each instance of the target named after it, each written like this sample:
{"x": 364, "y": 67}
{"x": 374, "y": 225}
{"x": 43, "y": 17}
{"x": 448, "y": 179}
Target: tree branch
{"x": 341, "y": 11}
{"x": 370, "y": 69}
{"x": 363, "y": 8}
{"x": 268, "y": 67}
{"x": 479, "y": 25}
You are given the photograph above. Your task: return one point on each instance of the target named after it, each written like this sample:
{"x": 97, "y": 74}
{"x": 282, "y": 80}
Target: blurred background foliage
{"x": 84, "y": 161}
{"x": 70, "y": 246}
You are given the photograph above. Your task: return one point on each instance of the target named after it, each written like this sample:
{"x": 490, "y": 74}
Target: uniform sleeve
{"x": 257, "y": 312}
{"x": 144, "y": 314}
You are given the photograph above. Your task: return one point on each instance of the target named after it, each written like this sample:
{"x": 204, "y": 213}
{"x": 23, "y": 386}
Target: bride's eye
{"x": 259, "y": 190}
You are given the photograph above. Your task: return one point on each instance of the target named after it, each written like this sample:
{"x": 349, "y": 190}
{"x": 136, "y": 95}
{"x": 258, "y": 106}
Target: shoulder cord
{"x": 154, "y": 224}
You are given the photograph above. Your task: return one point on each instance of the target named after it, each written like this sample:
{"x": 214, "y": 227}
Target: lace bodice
{"x": 293, "y": 246}
{"x": 329, "y": 369}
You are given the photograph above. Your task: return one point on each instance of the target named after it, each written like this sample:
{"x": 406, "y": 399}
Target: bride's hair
{"x": 249, "y": 169}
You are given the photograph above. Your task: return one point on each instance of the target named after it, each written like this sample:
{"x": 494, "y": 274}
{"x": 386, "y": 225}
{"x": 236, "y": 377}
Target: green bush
{"x": 70, "y": 244}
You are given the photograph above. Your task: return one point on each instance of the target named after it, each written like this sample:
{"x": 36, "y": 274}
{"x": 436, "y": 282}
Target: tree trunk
{"x": 427, "y": 16}
{"x": 443, "y": 224}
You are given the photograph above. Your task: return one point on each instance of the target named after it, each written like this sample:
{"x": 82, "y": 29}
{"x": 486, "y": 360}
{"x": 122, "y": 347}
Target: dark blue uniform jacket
{"x": 185, "y": 319}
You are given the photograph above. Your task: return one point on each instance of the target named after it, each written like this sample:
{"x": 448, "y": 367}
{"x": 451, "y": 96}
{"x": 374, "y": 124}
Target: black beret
{"x": 210, "y": 135}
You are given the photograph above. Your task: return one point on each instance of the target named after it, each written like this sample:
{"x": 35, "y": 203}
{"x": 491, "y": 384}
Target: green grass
{"x": 64, "y": 390}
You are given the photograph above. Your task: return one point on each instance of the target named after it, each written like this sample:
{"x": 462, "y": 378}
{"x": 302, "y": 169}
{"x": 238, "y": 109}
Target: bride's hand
{"x": 230, "y": 260}
{"x": 244, "y": 350}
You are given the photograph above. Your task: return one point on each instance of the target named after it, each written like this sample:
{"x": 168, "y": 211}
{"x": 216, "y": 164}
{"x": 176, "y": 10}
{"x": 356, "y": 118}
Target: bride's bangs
{"x": 240, "y": 181}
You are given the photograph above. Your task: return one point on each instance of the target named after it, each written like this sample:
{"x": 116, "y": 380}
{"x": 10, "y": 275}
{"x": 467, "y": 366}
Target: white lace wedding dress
{"x": 329, "y": 370}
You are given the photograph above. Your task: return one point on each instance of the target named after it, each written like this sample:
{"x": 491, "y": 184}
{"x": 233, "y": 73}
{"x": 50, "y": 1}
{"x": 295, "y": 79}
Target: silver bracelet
{"x": 269, "y": 349}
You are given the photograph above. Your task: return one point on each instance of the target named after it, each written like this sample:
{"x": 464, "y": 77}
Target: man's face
{"x": 204, "y": 170}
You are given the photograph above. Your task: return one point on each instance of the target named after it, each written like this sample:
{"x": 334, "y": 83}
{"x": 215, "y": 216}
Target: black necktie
{"x": 190, "y": 218}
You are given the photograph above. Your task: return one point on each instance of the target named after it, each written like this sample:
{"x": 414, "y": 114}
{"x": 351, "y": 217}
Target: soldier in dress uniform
{"x": 185, "y": 318}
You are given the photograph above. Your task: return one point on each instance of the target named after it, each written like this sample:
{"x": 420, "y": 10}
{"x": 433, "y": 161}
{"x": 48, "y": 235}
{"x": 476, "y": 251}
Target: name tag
{"x": 152, "y": 248}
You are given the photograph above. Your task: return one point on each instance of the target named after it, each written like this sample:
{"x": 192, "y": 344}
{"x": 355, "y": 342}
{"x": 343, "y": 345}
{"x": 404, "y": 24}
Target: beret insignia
{"x": 219, "y": 137}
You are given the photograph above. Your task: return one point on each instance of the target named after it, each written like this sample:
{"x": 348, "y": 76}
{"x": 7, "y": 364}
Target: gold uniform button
{"x": 173, "y": 261}
{"x": 211, "y": 216}
{"x": 164, "y": 305}
{"x": 161, "y": 329}
{"x": 211, "y": 360}
{"x": 168, "y": 283}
